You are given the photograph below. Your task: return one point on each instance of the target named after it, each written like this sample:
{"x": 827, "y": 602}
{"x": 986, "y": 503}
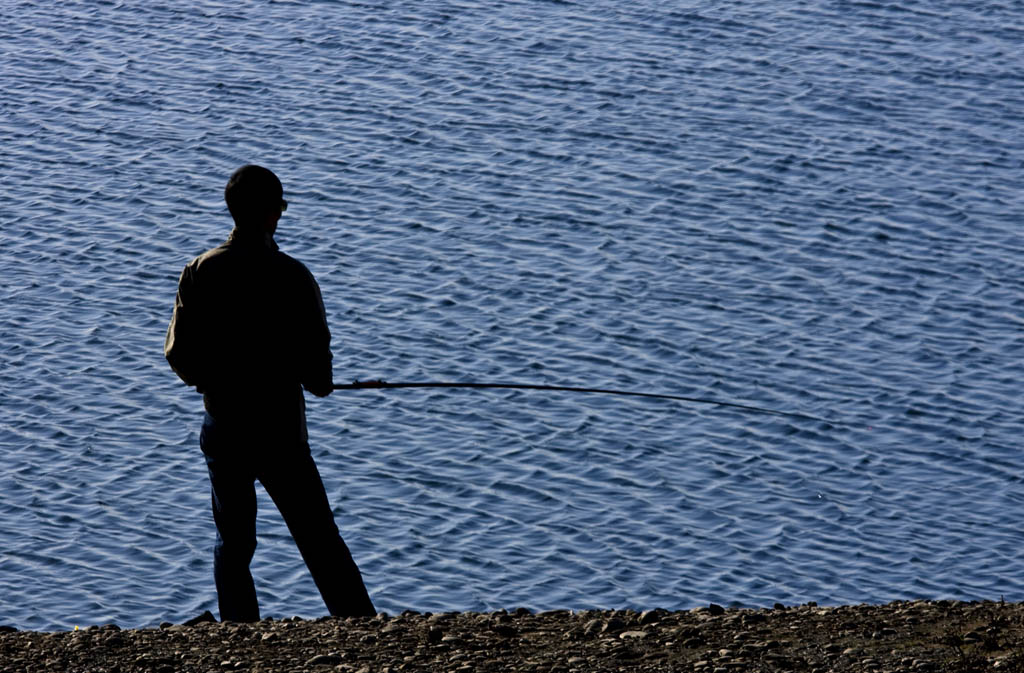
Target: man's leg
{"x": 233, "y": 495}
{"x": 296, "y": 488}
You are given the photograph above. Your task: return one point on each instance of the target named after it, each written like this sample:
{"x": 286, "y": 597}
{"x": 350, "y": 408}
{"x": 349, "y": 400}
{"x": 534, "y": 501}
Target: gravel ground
{"x": 919, "y": 636}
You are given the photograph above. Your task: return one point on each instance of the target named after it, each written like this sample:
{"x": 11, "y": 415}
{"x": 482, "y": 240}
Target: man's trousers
{"x": 235, "y": 461}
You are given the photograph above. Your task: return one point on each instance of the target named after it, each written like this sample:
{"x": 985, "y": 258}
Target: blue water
{"x": 809, "y": 206}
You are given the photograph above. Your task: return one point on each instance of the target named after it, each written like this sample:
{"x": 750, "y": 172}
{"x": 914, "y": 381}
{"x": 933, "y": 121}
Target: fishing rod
{"x": 378, "y": 384}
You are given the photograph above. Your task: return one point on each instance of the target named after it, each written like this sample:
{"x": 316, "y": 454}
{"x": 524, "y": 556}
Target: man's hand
{"x": 319, "y": 389}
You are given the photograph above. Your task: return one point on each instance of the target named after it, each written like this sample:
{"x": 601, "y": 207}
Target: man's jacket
{"x": 249, "y": 331}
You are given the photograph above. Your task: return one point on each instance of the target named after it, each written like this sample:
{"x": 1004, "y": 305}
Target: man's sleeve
{"x": 180, "y": 346}
{"x": 317, "y": 375}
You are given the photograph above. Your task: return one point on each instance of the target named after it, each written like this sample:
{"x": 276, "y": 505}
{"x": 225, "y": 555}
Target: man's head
{"x": 253, "y": 195}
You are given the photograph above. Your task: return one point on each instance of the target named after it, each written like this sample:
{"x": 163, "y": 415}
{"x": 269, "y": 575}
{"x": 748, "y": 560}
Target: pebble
{"x": 504, "y": 630}
{"x": 797, "y": 638}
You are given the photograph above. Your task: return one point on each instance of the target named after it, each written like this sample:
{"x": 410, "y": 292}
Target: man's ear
{"x": 270, "y": 223}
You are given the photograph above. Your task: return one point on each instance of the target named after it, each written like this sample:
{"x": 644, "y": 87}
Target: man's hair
{"x": 252, "y": 191}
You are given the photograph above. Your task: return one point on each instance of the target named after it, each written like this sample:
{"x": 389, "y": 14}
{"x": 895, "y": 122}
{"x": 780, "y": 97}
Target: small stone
{"x": 504, "y": 630}
{"x": 716, "y": 610}
{"x": 324, "y": 660}
{"x": 116, "y": 640}
{"x": 633, "y": 635}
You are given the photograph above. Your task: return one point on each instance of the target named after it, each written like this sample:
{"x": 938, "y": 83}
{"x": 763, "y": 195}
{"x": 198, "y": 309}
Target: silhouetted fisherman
{"x": 249, "y": 332}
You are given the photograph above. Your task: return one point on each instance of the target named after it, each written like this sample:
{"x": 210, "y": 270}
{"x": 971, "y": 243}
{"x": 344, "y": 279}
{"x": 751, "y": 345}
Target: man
{"x": 249, "y": 332}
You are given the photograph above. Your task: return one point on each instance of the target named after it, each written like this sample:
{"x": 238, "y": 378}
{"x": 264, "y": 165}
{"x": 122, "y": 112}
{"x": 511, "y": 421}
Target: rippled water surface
{"x": 812, "y": 206}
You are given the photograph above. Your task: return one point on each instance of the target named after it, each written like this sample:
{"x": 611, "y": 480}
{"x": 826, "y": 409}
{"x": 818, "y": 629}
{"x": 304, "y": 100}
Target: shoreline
{"x": 900, "y": 636}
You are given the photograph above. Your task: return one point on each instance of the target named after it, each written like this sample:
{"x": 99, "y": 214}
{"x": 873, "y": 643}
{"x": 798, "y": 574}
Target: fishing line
{"x": 379, "y": 384}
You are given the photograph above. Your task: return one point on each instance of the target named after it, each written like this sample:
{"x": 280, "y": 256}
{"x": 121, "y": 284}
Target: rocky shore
{"x": 918, "y": 636}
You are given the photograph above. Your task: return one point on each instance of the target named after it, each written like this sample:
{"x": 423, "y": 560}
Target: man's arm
{"x": 181, "y": 344}
{"x": 317, "y": 374}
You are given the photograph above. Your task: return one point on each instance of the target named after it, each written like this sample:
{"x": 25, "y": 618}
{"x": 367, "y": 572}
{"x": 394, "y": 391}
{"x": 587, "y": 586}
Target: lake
{"x": 813, "y": 207}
